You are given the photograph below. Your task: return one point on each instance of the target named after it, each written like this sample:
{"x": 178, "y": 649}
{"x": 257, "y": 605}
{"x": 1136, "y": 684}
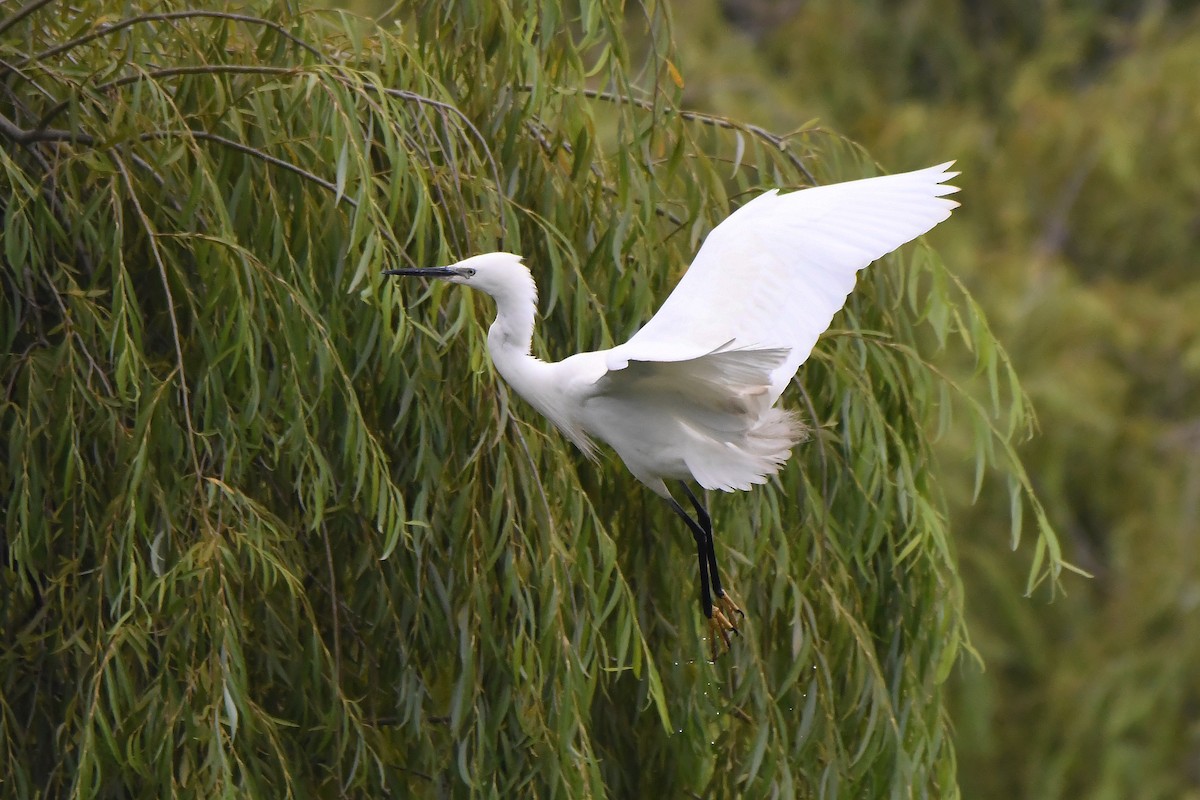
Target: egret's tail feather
{"x": 738, "y": 438}
{"x": 714, "y": 410}
{"x": 737, "y": 463}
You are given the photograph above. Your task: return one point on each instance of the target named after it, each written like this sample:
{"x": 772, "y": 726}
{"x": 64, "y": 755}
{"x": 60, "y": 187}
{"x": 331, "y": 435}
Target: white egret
{"x": 691, "y": 396}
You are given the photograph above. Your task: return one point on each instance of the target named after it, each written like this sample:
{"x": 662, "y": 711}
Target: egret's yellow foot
{"x": 719, "y": 628}
{"x": 718, "y": 634}
{"x": 726, "y": 604}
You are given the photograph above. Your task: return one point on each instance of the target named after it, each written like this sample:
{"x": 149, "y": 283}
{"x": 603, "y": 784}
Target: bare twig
{"x": 13, "y": 132}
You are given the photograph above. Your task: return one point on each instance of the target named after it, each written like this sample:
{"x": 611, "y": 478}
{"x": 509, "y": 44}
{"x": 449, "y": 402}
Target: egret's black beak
{"x": 426, "y": 272}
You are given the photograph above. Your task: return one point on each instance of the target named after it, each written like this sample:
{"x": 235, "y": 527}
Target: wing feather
{"x": 773, "y": 274}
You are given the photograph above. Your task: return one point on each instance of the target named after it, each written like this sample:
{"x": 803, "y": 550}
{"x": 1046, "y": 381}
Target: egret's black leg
{"x": 718, "y": 618}
{"x": 714, "y": 578}
{"x": 699, "y": 534}
{"x": 721, "y": 599}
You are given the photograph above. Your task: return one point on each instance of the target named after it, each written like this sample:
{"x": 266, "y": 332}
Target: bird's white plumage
{"x": 776, "y": 271}
{"x": 692, "y": 394}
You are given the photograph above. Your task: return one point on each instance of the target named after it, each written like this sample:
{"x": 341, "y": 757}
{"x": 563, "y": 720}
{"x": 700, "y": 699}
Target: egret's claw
{"x": 726, "y": 605}
{"x": 719, "y": 628}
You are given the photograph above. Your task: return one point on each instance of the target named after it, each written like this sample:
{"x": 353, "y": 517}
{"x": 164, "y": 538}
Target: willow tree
{"x": 267, "y": 534}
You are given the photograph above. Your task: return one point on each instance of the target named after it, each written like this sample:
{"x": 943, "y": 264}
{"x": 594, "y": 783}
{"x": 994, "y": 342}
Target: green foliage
{"x": 1074, "y": 123}
{"x": 274, "y": 528}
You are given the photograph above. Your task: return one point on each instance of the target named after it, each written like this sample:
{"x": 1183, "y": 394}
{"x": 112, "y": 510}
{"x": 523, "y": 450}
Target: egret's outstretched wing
{"x": 775, "y": 272}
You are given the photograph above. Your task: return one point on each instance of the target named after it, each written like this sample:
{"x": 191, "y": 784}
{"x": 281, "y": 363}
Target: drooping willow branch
{"x": 167, "y": 17}
{"x": 414, "y": 97}
{"x": 34, "y": 136}
{"x": 168, "y": 72}
{"x": 535, "y": 128}
{"x": 43, "y": 133}
{"x": 22, "y": 13}
{"x": 185, "y": 394}
{"x": 779, "y": 142}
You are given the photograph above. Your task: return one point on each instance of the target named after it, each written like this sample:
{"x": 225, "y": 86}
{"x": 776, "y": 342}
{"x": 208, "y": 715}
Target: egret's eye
{"x": 468, "y": 272}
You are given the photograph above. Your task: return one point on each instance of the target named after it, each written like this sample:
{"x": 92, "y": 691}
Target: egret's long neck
{"x": 510, "y": 338}
{"x": 512, "y": 332}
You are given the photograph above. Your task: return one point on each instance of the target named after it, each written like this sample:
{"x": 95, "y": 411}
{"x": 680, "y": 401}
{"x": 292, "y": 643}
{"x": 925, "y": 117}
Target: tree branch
{"x": 22, "y": 13}
{"x": 255, "y": 152}
{"x": 43, "y": 133}
{"x": 13, "y": 132}
{"x": 27, "y": 137}
{"x": 548, "y": 148}
{"x": 166, "y": 17}
{"x": 780, "y": 142}
{"x": 198, "y": 69}
{"x": 404, "y": 94}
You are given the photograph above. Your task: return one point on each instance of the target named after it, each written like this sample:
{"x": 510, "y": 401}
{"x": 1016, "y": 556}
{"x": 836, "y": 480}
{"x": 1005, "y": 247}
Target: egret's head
{"x": 498, "y": 274}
